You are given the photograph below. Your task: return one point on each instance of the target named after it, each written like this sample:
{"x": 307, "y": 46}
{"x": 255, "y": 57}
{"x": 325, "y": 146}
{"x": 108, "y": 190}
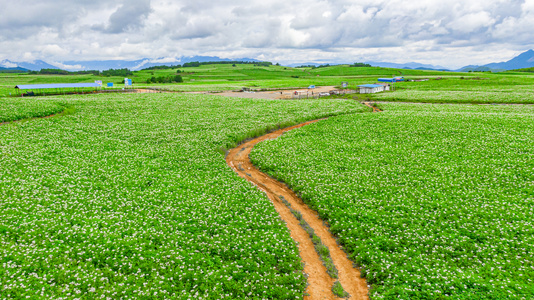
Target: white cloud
{"x": 472, "y": 22}
{"x": 281, "y": 30}
{"x": 8, "y": 64}
{"x": 66, "y": 67}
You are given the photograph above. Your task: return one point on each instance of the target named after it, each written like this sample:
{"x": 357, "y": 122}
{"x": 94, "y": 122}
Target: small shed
{"x": 386, "y": 86}
{"x": 371, "y": 88}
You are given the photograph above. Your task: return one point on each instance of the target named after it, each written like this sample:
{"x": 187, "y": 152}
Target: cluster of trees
{"x": 63, "y": 72}
{"x": 314, "y": 66}
{"x": 117, "y": 72}
{"x": 165, "y": 79}
{"x": 198, "y": 64}
{"x": 12, "y": 71}
{"x": 360, "y": 65}
{"x": 255, "y": 63}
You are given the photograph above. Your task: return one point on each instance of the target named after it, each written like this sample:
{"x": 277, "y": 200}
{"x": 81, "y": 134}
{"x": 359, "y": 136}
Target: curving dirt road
{"x": 319, "y": 282}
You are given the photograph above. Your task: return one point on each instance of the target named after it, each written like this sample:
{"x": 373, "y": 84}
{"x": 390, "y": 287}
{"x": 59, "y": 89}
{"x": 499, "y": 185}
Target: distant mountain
{"x": 472, "y": 68}
{"x": 33, "y": 66}
{"x": 426, "y": 69}
{"x": 13, "y": 70}
{"x": 522, "y": 61}
{"x": 114, "y": 64}
{"x": 411, "y": 65}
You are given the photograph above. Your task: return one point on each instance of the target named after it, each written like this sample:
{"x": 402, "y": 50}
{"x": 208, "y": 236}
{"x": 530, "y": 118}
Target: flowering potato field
{"x": 130, "y": 198}
{"x": 432, "y": 201}
{"x": 496, "y": 88}
{"x": 526, "y": 96}
{"x": 23, "y": 108}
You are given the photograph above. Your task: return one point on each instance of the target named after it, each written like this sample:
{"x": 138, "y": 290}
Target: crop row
{"x": 432, "y": 201}
{"x": 129, "y": 198}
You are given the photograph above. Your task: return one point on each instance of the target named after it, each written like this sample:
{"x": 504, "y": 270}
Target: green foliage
{"x": 63, "y": 72}
{"x": 198, "y": 64}
{"x": 167, "y": 79}
{"x": 432, "y": 201}
{"x": 360, "y": 65}
{"x": 117, "y": 72}
{"x": 320, "y": 248}
{"x": 338, "y": 290}
{"x": 492, "y": 88}
{"x": 527, "y": 70}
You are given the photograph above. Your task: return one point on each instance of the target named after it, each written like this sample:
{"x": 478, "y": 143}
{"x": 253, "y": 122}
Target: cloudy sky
{"x": 451, "y": 33}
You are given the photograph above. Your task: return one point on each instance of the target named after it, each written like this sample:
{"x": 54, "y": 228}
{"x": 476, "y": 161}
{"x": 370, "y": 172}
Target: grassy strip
{"x": 338, "y": 290}
{"x": 321, "y": 249}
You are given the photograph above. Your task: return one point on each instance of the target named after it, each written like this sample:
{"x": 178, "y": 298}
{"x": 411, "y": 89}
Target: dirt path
{"x": 319, "y": 282}
{"x": 280, "y": 94}
{"x": 369, "y": 104}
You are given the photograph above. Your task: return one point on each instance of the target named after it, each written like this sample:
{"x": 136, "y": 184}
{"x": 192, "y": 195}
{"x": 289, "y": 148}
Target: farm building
{"x": 58, "y": 88}
{"x": 386, "y": 85}
{"x": 394, "y": 79}
{"x": 372, "y": 88}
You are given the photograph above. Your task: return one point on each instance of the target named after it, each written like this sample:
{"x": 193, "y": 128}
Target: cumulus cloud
{"x": 345, "y": 30}
{"x": 129, "y": 16}
{"x": 66, "y": 66}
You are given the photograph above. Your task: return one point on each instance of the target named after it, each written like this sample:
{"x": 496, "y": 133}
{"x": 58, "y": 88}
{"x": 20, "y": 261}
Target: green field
{"x": 432, "y": 201}
{"x": 12, "y": 109}
{"x": 227, "y": 77}
{"x": 129, "y": 195}
{"x": 482, "y": 88}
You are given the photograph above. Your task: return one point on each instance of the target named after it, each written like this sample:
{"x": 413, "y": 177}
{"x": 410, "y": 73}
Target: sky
{"x": 449, "y": 33}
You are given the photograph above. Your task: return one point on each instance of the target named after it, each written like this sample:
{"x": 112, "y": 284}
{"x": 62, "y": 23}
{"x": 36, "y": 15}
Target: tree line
{"x": 357, "y": 65}
{"x": 198, "y": 64}
{"x": 107, "y": 73}
{"x": 165, "y": 79}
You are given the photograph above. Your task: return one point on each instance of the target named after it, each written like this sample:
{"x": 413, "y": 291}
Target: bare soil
{"x": 319, "y": 282}
{"x": 369, "y": 104}
{"x": 281, "y": 94}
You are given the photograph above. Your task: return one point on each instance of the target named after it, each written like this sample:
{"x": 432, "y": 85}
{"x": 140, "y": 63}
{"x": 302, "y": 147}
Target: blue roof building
{"x": 56, "y": 86}
{"x": 372, "y": 88}
{"x": 394, "y": 79}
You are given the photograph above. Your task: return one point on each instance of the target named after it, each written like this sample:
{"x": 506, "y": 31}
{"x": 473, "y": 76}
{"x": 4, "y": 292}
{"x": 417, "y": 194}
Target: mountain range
{"x": 524, "y": 60}
{"x": 133, "y": 65}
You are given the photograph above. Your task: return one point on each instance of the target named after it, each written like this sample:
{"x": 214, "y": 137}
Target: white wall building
{"x": 371, "y": 88}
